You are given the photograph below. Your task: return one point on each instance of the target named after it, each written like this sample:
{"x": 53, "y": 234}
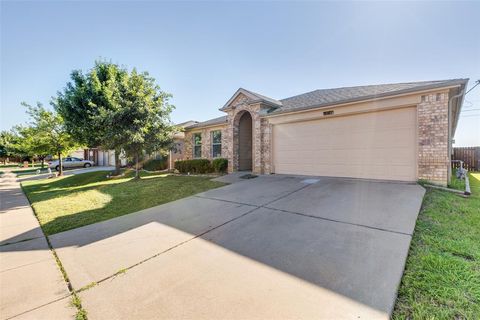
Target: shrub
{"x": 194, "y": 166}
{"x": 220, "y": 165}
{"x": 155, "y": 165}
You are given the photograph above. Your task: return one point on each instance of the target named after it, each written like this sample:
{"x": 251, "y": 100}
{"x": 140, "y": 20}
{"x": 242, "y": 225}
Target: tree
{"x": 147, "y": 111}
{"x": 32, "y": 143}
{"x": 91, "y": 107}
{"x": 7, "y": 148}
{"x": 48, "y": 127}
{"x": 115, "y": 109}
{"x": 21, "y": 143}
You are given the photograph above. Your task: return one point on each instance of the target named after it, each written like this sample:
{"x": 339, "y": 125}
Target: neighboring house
{"x": 177, "y": 152}
{"x": 397, "y": 132}
{"x": 102, "y": 157}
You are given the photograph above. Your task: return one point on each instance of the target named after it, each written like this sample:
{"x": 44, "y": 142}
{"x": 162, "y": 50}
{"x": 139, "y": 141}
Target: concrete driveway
{"x": 266, "y": 248}
{"x": 66, "y": 172}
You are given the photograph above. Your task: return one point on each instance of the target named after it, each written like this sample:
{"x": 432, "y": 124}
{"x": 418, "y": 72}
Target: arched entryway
{"x": 245, "y": 142}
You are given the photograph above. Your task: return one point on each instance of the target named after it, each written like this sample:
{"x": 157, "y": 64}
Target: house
{"x": 100, "y": 157}
{"x": 400, "y": 132}
{"x": 177, "y": 152}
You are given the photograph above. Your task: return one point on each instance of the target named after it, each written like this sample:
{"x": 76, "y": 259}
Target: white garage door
{"x": 376, "y": 145}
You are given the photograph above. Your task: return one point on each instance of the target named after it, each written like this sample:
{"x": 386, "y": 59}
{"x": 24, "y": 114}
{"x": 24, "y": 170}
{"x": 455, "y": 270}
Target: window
{"x": 197, "y": 145}
{"x": 216, "y": 144}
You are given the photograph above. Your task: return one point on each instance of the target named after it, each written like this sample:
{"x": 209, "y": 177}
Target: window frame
{"x": 195, "y": 145}
{"x": 216, "y": 144}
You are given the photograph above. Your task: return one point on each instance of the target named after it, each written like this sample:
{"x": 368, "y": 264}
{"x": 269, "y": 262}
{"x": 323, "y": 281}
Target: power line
{"x": 467, "y": 110}
{"x": 476, "y": 84}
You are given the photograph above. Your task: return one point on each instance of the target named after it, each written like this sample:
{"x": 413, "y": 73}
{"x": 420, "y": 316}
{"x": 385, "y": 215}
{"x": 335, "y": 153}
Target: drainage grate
{"x": 310, "y": 181}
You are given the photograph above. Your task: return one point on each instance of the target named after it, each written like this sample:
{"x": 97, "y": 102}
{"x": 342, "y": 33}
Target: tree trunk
{"x": 137, "y": 175}
{"x": 43, "y": 162}
{"x": 117, "y": 163}
{"x": 60, "y": 164}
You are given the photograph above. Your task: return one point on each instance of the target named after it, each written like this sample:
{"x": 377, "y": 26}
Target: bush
{"x": 155, "y": 165}
{"x": 220, "y": 165}
{"x": 194, "y": 166}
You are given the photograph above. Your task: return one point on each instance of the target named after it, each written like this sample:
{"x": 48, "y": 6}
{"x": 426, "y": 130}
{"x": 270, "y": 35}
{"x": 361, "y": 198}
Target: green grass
{"x": 9, "y": 166}
{"x": 19, "y": 165}
{"x": 442, "y": 274}
{"x": 73, "y": 201}
{"x": 458, "y": 184}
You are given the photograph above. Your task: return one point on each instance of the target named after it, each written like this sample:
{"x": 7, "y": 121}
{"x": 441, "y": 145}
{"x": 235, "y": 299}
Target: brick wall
{"x": 234, "y": 116}
{"x": 433, "y": 158}
{"x": 266, "y": 146}
{"x": 206, "y": 142}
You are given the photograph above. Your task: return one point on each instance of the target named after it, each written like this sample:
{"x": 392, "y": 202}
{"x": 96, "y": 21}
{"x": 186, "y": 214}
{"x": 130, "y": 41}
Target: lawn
{"x": 442, "y": 274}
{"x": 73, "y": 201}
{"x": 10, "y": 165}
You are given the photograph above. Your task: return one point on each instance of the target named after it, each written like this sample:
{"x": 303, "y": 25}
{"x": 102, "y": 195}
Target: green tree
{"x": 7, "y": 148}
{"x": 34, "y": 144}
{"x": 21, "y": 145}
{"x": 146, "y": 109}
{"x": 48, "y": 128}
{"x": 115, "y": 109}
{"x": 91, "y": 106}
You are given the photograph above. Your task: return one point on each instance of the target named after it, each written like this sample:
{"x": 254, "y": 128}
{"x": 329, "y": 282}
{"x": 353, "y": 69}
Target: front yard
{"x": 73, "y": 201}
{"x": 442, "y": 275}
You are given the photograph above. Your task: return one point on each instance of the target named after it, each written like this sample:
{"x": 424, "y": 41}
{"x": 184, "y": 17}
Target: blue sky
{"x": 203, "y": 52}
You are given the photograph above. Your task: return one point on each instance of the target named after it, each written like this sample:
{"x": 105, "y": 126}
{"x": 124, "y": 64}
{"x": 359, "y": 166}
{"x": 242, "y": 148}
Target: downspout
{"x": 450, "y": 108}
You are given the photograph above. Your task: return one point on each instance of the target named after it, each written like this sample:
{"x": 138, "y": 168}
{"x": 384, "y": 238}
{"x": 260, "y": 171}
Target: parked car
{"x": 71, "y": 162}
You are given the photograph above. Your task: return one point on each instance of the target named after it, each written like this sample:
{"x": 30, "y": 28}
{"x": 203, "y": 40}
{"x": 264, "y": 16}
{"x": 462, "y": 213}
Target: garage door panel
{"x": 344, "y": 157}
{"x": 377, "y": 145}
{"x": 359, "y": 140}
{"x": 402, "y": 173}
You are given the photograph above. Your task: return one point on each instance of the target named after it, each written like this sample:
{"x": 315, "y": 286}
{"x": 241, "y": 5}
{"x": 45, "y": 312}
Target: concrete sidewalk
{"x": 32, "y": 286}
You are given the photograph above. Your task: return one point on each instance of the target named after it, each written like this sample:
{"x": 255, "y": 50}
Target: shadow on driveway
{"x": 348, "y": 237}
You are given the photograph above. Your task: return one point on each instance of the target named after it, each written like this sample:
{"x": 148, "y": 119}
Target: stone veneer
{"x": 260, "y": 131}
{"x": 433, "y": 157}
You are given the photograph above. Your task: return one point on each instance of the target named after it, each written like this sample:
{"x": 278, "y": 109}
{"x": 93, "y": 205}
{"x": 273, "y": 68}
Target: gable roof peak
{"x": 253, "y": 96}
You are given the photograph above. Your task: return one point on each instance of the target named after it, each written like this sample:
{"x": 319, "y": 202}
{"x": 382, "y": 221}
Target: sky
{"x": 202, "y": 52}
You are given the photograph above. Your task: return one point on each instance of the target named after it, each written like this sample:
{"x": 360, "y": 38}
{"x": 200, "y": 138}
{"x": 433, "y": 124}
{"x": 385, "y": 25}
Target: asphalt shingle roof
{"x": 211, "y": 122}
{"x": 324, "y": 97}
{"x": 329, "y": 97}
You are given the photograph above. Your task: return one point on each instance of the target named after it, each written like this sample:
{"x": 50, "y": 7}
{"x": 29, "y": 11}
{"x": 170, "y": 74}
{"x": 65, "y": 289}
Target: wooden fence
{"x": 470, "y": 157}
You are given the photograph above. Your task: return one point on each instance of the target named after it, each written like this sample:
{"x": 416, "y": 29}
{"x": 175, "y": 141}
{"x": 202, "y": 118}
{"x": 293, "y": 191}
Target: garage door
{"x": 376, "y": 145}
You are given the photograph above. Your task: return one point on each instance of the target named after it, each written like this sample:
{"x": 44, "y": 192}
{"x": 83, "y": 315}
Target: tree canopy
{"x": 47, "y": 133}
{"x": 116, "y": 109}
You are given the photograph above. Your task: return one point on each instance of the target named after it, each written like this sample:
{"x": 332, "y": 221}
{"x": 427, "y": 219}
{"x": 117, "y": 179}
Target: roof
{"x": 325, "y": 97}
{"x": 211, "y": 122}
{"x": 254, "y": 97}
{"x": 329, "y": 97}
{"x": 186, "y": 123}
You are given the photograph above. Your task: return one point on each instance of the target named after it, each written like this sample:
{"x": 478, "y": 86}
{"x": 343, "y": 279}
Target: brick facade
{"x": 432, "y": 136}
{"x": 433, "y": 141}
{"x": 206, "y": 142}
